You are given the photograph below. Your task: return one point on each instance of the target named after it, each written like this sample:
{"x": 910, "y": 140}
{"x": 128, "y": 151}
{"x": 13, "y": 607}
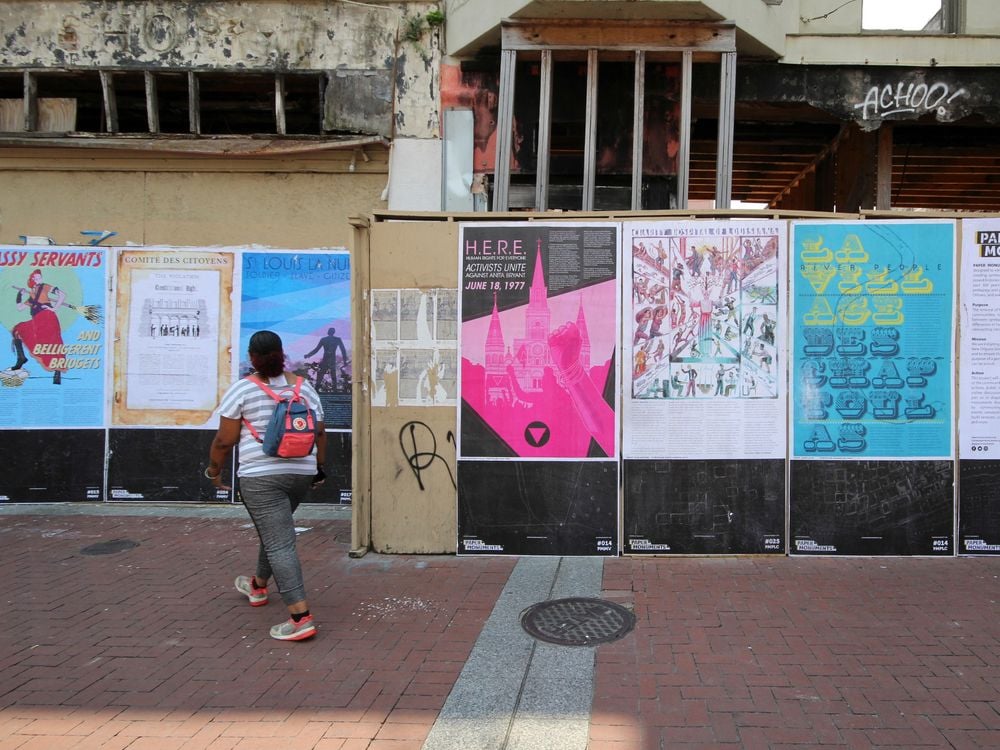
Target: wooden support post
{"x": 194, "y": 103}
{"x": 727, "y": 116}
{"x": 544, "y": 132}
{"x": 856, "y": 171}
{"x": 279, "y": 103}
{"x": 590, "y": 134}
{"x": 684, "y": 150}
{"x": 30, "y": 102}
{"x": 883, "y": 179}
{"x": 152, "y": 103}
{"x": 110, "y": 103}
{"x": 505, "y": 128}
{"x": 638, "y": 119}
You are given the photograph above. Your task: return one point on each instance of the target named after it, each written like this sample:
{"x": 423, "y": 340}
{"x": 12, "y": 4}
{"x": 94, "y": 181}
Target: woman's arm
{"x": 227, "y": 436}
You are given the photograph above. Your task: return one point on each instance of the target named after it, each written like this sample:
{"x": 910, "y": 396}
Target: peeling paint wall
{"x": 388, "y": 42}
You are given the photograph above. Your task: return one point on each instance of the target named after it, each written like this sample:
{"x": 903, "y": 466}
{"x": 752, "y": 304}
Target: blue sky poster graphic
{"x": 52, "y": 303}
{"x": 304, "y": 297}
{"x": 872, "y": 339}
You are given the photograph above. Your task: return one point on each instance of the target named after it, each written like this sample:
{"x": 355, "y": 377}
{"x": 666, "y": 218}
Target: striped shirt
{"x": 246, "y": 399}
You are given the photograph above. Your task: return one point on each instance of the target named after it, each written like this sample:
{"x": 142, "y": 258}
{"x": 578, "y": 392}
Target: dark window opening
{"x": 172, "y": 102}
{"x": 141, "y": 102}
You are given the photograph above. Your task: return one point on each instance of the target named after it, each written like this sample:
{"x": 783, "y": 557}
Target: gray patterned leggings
{"x": 271, "y": 500}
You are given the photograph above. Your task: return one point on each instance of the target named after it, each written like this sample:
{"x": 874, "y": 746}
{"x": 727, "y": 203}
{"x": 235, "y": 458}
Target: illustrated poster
{"x": 705, "y": 335}
{"x": 537, "y": 341}
{"x": 172, "y": 342}
{"x": 979, "y": 407}
{"x": 873, "y": 338}
{"x": 305, "y": 298}
{"x": 52, "y": 302}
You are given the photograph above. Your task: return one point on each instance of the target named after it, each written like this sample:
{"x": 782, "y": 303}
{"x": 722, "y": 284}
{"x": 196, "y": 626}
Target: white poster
{"x": 173, "y": 336}
{"x": 705, "y": 340}
{"x": 979, "y": 407}
{"x": 173, "y": 346}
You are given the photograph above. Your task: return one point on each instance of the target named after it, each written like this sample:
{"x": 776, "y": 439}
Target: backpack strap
{"x": 277, "y": 399}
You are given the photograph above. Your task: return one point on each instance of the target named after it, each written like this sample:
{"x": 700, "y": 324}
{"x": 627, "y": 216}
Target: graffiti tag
{"x": 419, "y": 446}
{"x": 883, "y": 101}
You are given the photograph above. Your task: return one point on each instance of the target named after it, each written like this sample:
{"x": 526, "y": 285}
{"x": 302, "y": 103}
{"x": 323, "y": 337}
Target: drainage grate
{"x": 577, "y": 621}
{"x": 109, "y": 547}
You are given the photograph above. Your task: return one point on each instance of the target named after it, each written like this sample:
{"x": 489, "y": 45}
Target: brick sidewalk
{"x": 152, "y": 648}
{"x": 801, "y": 653}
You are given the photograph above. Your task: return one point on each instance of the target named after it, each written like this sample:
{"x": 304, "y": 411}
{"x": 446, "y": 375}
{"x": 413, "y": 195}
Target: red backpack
{"x": 291, "y": 431}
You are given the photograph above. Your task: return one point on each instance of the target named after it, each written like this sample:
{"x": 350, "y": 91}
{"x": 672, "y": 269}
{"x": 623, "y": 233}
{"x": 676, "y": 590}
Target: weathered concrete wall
{"x": 197, "y": 202}
{"x": 383, "y": 53}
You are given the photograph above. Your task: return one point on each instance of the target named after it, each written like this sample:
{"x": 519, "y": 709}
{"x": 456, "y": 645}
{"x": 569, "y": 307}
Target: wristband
{"x": 212, "y": 476}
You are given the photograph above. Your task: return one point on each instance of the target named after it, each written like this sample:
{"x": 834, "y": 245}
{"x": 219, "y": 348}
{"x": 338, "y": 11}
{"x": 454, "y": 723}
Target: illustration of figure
{"x": 730, "y": 383}
{"x": 640, "y": 362}
{"x": 692, "y": 383}
{"x": 676, "y": 275}
{"x": 677, "y": 385}
{"x": 595, "y": 413}
{"x": 658, "y": 352}
{"x": 642, "y": 320}
{"x": 681, "y": 312}
{"x": 330, "y": 344}
{"x": 41, "y": 300}
{"x": 657, "y": 294}
{"x": 767, "y": 329}
{"x": 733, "y": 280}
{"x": 720, "y": 376}
{"x": 730, "y": 308}
{"x": 659, "y": 313}
{"x": 661, "y": 252}
{"x": 749, "y": 323}
{"x": 765, "y": 358}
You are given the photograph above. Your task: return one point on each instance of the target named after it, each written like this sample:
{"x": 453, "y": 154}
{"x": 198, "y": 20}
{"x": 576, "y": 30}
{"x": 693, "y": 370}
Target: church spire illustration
{"x": 528, "y": 357}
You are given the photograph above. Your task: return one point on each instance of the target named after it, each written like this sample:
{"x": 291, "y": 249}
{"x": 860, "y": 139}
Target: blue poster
{"x": 52, "y": 314}
{"x": 304, "y": 297}
{"x": 872, "y": 339}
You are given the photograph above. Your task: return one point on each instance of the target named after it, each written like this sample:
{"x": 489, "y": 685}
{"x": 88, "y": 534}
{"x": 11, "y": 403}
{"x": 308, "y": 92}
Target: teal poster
{"x": 53, "y": 337}
{"x": 304, "y": 297}
{"x": 872, "y": 339}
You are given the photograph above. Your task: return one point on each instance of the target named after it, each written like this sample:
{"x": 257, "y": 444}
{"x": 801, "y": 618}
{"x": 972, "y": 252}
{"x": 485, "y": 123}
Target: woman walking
{"x": 271, "y": 488}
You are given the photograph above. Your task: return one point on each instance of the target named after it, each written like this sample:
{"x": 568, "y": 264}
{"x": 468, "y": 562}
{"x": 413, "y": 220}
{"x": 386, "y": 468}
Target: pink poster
{"x": 538, "y": 350}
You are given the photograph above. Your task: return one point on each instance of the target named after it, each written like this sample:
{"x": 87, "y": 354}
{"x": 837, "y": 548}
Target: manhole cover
{"x": 577, "y": 621}
{"x": 109, "y": 547}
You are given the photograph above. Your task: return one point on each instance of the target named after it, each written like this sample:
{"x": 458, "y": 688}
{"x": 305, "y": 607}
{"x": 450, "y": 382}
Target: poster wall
{"x": 52, "y": 303}
{"x": 872, "y": 365}
{"x": 538, "y": 305}
{"x": 704, "y": 405}
{"x": 172, "y": 343}
{"x": 979, "y": 407}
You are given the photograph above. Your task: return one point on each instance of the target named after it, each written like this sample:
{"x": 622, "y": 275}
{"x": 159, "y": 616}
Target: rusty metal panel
{"x": 359, "y": 101}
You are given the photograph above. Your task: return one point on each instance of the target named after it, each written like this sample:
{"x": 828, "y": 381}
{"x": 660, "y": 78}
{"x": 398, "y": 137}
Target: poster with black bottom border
{"x": 872, "y": 508}
{"x": 53, "y": 466}
{"x": 704, "y": 507}
{"x": 167, "y": 466}
{"x": 162, "y": 465}
{"x": 537, "y": 507}
{"x": 978, "y": 510}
